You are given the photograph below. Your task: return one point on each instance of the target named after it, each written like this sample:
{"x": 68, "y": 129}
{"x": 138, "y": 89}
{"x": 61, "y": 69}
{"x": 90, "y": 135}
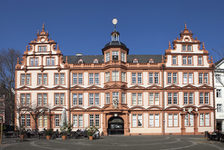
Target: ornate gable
{"x": 136, "y": 87}
{"x": 154, "y": 87}
{"x": 173, "y": 87}
{"x": 189, "y": 87}
{"x": 205, "y": 87}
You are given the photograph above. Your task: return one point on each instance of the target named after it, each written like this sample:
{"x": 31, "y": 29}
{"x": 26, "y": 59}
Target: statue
{"x": 115, "y": 102}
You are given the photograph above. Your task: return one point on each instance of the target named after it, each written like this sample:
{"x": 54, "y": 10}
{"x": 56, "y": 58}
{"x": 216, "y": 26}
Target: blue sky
{"x": 84, "y": 26}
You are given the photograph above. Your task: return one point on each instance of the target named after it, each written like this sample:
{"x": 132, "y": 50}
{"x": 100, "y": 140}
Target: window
{"x": 25, "y": 79}
{"x": 77, "y": 98}
{"x": 123, "y": 57}
{"x": 42, "y": 48}
{"x": 22, "y": 79}
{"x": 204, "y": 119}
{"x": 107, "y": 76}
{"x": 23, "y": 123}
{"x": 25, "y": 99}
{"x": 218, "y": 93}
{"x": 107, "y": 57}
{"x": 28, "y": 79}
{"x": 56, "y": 120}
{"x": 41, "y": 99}
{"x": 184, "y": 60}
{"x": 50, "y": 61}
{"x": 123, "y": 98}
{"x": 205, "y": 77}
{"x": 77, "y": 120}
{"x": 174, "y": 60}
{"x": 59, "y": 78}
{"x": 219, "y": 107}
{"x": 172, "y": 120}
{"x": 153, "y": 98}
{"x": 187, "y": 60}
{"x": 189, "y": 120}
{"x": 136, "y": 98}
{"x": 94, "y": 99}
{"x": 107, "y": 98}
{"x": 153, "y": 120}
{"x": 94, "y": 120}
{"x": 137, "y": 120}
{"x": 172, "y": 78}
{"x": 172, "y": 98}
{"x": 41, "y": 79}
{"x": 133, "y": 78}
{"x": 59, "y": 98}
{"x": 42, "y": 121}
{"x": 200, "y": 60}
{"x": 189, "y": 47}
{"x": 93, "y": 78}
{"x": 115, "y": 76}
{"x": 150, "y": 78}
{"x": 203, "y": 80}
{"x": 186, "y": 47}
{"x": 139, "y": 78}
{"x": 36, "y": 61}
{"x": 188, "y": 98}
{"x": 123, "y": 76}
{"x": 187, "y": 78}
{"x": 25, "y": 120}
{"x": 204, "y": 98}
{"x": 114, "y": 55}
{"x": 218, "y": 78}
{"x": 136, "y": 78}
{"x": 77, "y": 78}
{"x": 33, "y": 61}
{"x": 153, "y": 78}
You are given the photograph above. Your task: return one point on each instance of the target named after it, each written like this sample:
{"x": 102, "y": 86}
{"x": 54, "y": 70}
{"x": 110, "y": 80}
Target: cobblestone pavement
{"x": 120, "y": 143}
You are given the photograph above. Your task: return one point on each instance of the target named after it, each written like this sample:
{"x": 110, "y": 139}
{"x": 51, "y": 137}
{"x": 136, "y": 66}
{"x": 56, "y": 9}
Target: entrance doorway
{"x": 115, "y": 126}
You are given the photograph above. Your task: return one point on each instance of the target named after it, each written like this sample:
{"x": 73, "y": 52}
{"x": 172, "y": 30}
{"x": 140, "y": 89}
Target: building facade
{"x": 118, "y": 92}
{"x": 219, "y": 90}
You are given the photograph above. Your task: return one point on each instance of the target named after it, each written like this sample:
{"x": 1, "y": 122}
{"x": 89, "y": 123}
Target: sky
{"x": 84, "y": 26}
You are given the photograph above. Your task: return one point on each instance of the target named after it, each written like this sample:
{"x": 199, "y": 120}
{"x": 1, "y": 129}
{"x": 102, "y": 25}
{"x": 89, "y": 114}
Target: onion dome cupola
{"x": 115, "y": 50}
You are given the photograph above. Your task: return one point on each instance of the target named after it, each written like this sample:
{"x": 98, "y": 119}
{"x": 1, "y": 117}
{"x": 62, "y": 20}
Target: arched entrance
{"x": 115, "y": 126}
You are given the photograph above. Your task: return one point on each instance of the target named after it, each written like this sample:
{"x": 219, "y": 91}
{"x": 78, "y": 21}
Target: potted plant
{"x": 91, "y": 131}
{"x": 22, "y": 133}
{"x": 65, "y": 130}
{"x": 49, "y": 133}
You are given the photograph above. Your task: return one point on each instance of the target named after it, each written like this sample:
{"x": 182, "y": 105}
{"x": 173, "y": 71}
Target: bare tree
{"x": 8, "y": 60}
{"x": 37, "y": 111}
{"x": 33, "y": 109}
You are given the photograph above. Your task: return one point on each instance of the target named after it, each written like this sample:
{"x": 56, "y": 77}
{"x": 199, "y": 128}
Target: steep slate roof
{"x": 88, "y": 59}
{"x": 217, "y": 63}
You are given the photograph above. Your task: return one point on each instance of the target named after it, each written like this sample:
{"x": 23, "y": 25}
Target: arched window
{"x": 151, "y": 61}
{"x": 95, "y": 61}
{"x": 135, "y": 61}
{"x": 80, "y": 61}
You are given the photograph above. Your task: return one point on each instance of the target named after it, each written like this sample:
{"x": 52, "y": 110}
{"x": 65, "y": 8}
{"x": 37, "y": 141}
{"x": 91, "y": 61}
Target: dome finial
{"x": 43, "y": 27}
{"x": 17, "y": 60}
{"x": 115, "y": 34}
{"x": 185, "y": 26}
{"x": 203, "y": 45}
{"x": 169, "y": 45}
{"x": 114, "y": 21}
